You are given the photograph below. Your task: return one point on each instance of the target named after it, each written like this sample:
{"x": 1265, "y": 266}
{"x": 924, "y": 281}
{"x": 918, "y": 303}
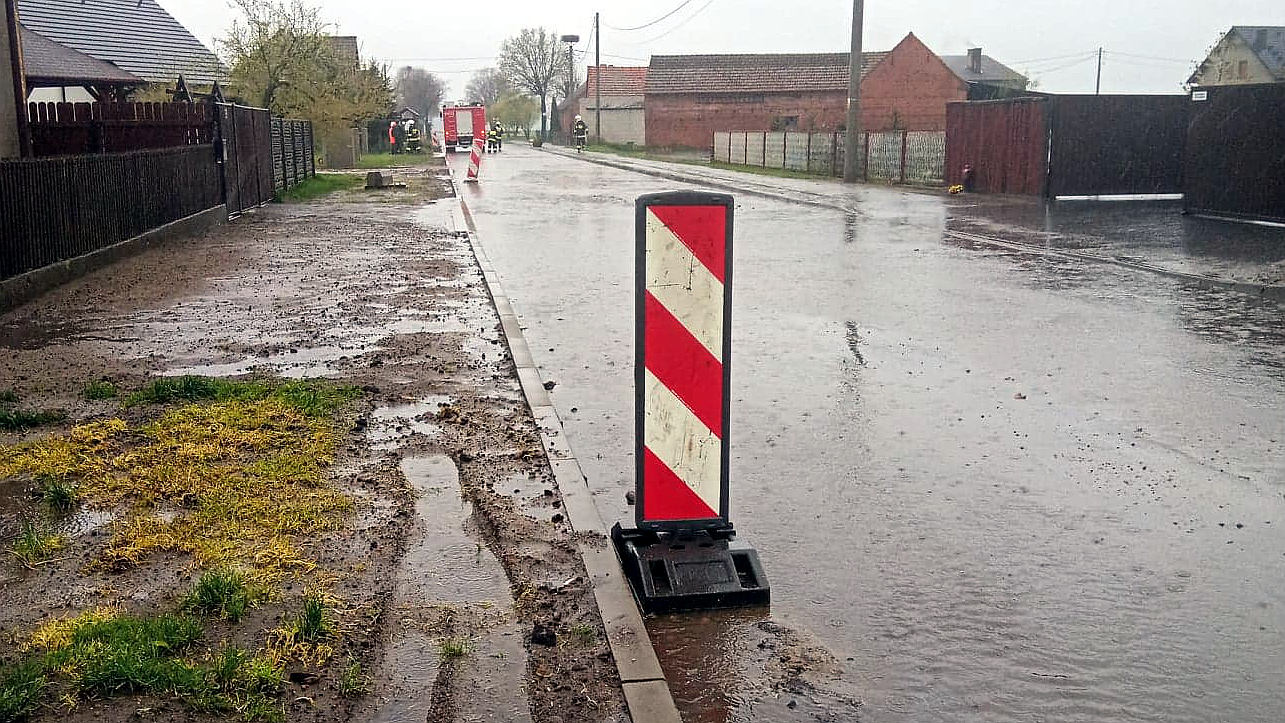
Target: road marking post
{"x": 475, "y": 161}
{"x": 682, "y": 555}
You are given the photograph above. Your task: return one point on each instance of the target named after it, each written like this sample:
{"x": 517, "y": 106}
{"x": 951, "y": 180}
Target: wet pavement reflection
{"x": 986, "y": 485}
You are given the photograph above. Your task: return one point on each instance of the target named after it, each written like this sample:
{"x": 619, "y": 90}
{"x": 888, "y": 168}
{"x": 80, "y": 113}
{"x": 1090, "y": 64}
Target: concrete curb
{"x": 647, "y": 694}
{"x": 1262, "y": 291}
{"x": 23, "y": 288}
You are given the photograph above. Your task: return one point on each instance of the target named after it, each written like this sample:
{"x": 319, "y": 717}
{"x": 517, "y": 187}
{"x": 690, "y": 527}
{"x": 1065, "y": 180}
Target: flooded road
{"x": 994, "y": 486}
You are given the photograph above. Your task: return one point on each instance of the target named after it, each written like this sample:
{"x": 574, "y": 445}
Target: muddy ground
{"x": 458, "y": 582}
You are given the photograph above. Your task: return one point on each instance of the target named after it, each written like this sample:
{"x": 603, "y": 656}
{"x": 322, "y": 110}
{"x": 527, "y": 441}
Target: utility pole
{"x": 1097, "y": 90}
{"x": 15, "y": 136}
{"x": 597, "y": 86}
{"x": 852, "y": 140}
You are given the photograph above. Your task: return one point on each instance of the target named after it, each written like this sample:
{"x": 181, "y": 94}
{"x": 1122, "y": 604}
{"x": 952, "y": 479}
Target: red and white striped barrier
{"x": 475, "y": 160}
{"x": 684, "y": 349}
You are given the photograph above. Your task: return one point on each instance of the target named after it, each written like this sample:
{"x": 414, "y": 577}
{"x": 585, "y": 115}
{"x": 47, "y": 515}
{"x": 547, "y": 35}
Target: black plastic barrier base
{"x": 697, "y": 570}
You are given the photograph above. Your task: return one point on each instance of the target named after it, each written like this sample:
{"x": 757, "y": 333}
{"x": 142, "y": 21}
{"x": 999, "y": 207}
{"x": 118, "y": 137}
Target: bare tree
{"x": 419, "y": 89}
{"x": 533, "y": 62}
{"x": 488, "y": 86}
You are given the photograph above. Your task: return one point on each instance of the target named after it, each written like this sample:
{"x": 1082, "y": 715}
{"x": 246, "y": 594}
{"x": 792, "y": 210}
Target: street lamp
{"x": 571, "y": 41}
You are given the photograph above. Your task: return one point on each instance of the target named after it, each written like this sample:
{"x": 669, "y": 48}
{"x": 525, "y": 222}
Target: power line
{"x": 686, "y": 20}
{"x": 1151, "y": 57}
{"x": 681, "y": 5}
{"x": 1060, "y": 68}
{"x": 1054, "y": 57}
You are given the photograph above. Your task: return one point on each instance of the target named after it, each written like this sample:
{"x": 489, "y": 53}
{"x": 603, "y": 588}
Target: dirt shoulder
{"x": 441, "y": 562}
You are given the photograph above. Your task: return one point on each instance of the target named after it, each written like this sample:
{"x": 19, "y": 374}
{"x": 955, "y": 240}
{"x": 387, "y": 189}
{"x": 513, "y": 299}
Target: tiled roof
{"x": 137, "y": 36}
{"x": 993, "y": 71}
{"x": 50, "y": 64}
{"x": 1268, "y": 43}
{"x": 617, "y": 80}
{"x": 754, "y": 73}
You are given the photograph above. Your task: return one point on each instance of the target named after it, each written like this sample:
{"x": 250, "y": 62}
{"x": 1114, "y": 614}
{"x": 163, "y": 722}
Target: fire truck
{"x": 460, "y": 123}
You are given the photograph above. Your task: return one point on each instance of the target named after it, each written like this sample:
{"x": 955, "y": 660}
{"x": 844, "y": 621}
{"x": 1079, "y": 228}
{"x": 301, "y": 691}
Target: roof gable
{"x": 47, "y": 63}
{"x": 137, "y": 36}
{"x": 1268, "y": 43}
{"x": 755, "y": 73}
{"x": 616, "y": 80}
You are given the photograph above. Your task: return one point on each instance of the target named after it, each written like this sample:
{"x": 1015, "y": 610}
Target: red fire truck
{"x": 460, "y": 123}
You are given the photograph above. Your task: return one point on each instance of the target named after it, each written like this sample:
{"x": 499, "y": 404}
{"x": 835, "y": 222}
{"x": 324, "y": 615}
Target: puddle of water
{"x": 444, "y": 565}
{"x": 392, "y": 425}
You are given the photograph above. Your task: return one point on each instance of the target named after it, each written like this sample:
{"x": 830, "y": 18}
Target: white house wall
{"x": 623, "y": 120}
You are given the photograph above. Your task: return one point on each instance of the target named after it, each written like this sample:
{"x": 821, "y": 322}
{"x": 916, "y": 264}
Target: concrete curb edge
{"x": 646, "y": 691}
{"x": 25, "y": 287}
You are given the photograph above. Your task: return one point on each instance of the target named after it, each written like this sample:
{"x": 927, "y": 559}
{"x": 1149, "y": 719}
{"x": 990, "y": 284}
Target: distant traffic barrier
{"x": 908, "y": 157}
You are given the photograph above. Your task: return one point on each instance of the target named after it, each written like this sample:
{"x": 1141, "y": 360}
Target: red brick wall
{"x": 691, "y": 120}
{"x": 909, "y": 90}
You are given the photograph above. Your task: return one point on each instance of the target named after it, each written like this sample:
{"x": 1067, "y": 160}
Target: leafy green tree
{"x": 516, "y": 111}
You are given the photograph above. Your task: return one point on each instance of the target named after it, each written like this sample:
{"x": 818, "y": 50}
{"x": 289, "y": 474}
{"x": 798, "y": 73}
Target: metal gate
{"x": 1116, "y": 144}
{"x": 1235, "y": 159}
{"x": 1006, "y": 142}
{"x": 245, "y": 149}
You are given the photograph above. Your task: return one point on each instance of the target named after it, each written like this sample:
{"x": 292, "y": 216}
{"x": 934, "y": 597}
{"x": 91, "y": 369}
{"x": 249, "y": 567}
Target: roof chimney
{"x": 975, "y": 60}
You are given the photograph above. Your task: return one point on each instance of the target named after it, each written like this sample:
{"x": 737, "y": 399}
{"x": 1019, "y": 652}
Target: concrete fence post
{"x": 905, "y": 135}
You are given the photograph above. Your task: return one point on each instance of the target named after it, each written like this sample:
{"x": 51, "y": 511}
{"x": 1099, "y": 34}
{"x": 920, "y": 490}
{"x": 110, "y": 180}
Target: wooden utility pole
{"x": 15, "y": 136}
{"x": 1097, "y": 89}
{"x": 853, "y": 138}
{"x": 597, "y": 86}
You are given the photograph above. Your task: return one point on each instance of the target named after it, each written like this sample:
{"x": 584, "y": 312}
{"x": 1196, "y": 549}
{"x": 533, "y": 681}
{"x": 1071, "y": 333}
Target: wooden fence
{"x": 915, "y": 157}
{"x": 68, "y": 129}
{"x": 55, "y": 209}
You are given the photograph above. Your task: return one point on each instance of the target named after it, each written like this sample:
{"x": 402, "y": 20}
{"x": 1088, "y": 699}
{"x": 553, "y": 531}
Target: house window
{"x": 1242, "y": 70}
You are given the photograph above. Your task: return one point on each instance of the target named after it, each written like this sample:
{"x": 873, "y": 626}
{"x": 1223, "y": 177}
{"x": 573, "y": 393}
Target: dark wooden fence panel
{"x": 1005, "y": 142}
{"x": 1235, "y": 155}
{"x": 245, "y": 143}
{"x": 63, "y": 129}
{"x": 1117, "y": 144}
{"x": 55, "y": 209}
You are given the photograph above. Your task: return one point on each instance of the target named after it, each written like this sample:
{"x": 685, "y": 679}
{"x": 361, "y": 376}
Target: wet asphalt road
{"x": 995, "y": 486}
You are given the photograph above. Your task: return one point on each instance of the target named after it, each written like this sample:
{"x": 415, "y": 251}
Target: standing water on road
{"x": 986, "y": 485}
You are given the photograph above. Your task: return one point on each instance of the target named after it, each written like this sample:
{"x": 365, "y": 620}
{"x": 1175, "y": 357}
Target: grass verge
{"x": 375, "y": 161}
{"x": 320, "y": 185}
{"x": 102, "y": 654}
{"x": 236, "y": 477}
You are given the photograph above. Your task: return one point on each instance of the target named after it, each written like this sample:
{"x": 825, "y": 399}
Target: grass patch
{"x": 375, "y": 161}
{"x": 236, "y": 477}
{"x": 100, "y": 390}
{"x": 582, "y": 635}
{"x": 21, "y": 689}
{"x": 313, "y": 622}
{"x": 36, "y": 544}
{"x": 18, "y": 420}
{"x": 320, "y": 185}
{"x": 58, "y": 494}
{"x": 8, "y": 396}
{"x": 353, "y": 682}
{"x": 304, "y": 638}
{"x": 774, "y": 172}
{"x": 224, "y": 592}
{"x": 102, "y": 654}
{"x": 451, "y": 648}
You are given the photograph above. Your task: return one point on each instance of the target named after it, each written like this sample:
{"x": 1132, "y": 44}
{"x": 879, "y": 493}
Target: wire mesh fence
{"x": 911, "y": 157}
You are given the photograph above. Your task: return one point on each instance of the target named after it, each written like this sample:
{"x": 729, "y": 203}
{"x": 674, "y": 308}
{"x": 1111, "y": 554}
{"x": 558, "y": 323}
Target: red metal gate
{"x": 1006, "y": 142}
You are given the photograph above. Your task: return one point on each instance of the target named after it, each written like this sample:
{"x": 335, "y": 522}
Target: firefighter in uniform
{"x": 492, "y": 141}
{"x": 499, "y": 136}
{"x": 581, "y": 132}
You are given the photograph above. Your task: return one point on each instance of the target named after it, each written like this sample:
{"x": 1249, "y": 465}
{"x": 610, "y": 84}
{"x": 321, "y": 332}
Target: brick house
{"x": 690, "y": 97}
{"x": 623, "y": 119}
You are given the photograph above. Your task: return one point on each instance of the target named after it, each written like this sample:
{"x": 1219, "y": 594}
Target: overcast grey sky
{"x": 1151, "y": 44}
